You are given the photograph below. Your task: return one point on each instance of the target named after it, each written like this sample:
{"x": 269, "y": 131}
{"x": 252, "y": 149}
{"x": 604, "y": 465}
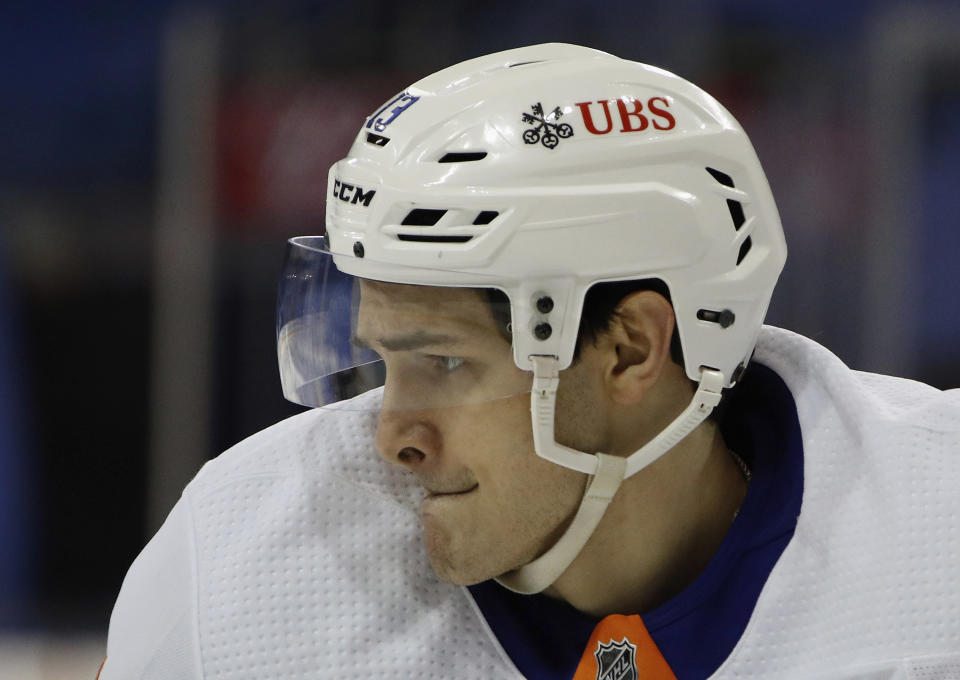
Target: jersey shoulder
{"x": 876, "y": 535}
{"x": 809, "y": 368}
{"x": 153, "y": 624}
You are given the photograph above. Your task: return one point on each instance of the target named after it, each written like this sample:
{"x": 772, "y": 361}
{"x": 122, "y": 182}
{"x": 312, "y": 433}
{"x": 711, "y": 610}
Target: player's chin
{"x": 455, "y": 576}
{"x": 458, "y": 567}
{"x": 451, "y": 572}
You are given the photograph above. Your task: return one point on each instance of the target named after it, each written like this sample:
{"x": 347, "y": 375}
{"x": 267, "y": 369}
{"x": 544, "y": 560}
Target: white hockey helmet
{"x": 542, "y": 171}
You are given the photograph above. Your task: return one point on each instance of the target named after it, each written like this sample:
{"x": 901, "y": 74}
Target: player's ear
{"x": 637, "y": 346}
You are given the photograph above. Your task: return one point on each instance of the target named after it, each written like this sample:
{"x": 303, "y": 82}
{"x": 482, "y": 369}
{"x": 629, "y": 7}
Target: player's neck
{"x": 660, "y": 531}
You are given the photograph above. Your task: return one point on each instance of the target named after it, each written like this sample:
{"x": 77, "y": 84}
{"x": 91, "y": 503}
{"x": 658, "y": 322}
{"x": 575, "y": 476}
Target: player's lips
{"x": 437, "y": 493}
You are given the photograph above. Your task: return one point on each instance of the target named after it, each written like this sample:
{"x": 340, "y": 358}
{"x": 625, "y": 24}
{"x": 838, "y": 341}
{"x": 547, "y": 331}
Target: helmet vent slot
{"x": 744, "y": 249}
{"x": 434, "y": 238}
{"x": 486, "y": 217}
{"x": 721, "y": 177}
{"x": 736, "y": 213}
{"x": 462, "y": 156}
{"x": 735, "y": 207}
{"x": 422, "y": 217}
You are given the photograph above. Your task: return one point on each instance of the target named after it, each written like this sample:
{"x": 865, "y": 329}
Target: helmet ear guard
{"x": 541, "y": 172}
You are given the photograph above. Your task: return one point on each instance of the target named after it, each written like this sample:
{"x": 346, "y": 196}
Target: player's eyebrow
{"x": 409, "y": 341}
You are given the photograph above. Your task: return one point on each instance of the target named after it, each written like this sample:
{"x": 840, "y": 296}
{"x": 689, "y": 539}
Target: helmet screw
{"x": 358, "y": 249}
{"x": 542, "y": 331}
{"x": 545, "y": 304}
{"x": 726, "y": 318}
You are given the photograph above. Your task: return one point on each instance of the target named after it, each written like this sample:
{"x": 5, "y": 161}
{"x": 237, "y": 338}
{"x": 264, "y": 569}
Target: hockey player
{"x": 539, "y": 298}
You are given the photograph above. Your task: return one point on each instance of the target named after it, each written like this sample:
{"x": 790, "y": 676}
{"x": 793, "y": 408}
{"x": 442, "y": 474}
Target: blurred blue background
{"x": 155, "y": 155}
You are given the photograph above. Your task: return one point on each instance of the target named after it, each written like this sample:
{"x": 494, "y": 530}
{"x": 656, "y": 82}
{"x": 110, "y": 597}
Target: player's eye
{"x": 446, "y": 363}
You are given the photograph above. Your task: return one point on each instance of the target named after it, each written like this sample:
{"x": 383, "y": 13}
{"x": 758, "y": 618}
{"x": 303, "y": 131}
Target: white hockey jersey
{"x": 297, "y": 553}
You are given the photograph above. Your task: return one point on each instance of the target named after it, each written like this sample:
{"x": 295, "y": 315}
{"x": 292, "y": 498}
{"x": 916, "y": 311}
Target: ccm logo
{"x": 348, "y": 193}
{"x": 633, "y": 117}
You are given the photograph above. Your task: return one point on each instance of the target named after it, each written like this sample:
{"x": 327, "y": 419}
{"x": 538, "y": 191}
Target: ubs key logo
{"x": 547, "y": 131}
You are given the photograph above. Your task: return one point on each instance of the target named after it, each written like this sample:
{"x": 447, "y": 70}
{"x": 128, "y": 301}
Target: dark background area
{"x": 854, "y": 109}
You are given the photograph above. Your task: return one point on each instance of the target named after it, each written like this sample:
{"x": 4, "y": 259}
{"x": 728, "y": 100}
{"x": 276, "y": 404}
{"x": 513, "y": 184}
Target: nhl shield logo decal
{"x": 621, "y": 648}
{"x": 617, "y": 661}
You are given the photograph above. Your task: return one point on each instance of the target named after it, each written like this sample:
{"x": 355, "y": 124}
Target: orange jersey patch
{"x": 622, "y": 649}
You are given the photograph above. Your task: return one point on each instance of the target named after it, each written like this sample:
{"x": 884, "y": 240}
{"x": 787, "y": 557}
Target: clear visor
{"x": 430, "y": 346}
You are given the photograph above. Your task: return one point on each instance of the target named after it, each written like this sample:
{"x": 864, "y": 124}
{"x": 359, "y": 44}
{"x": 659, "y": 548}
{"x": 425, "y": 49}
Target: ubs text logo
{"x": 632, "y": 114}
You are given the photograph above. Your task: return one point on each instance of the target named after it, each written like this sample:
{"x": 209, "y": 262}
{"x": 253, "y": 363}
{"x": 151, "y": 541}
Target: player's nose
{"x": 407, "y": 438}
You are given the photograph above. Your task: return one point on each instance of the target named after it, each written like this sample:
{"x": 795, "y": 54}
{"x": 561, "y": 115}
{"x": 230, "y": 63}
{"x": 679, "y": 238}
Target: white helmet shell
{"x": 546, "y": 169}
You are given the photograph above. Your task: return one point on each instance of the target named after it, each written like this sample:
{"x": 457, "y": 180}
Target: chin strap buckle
{"x": 710, "y": 390}
{"x": 546, "y": 374}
